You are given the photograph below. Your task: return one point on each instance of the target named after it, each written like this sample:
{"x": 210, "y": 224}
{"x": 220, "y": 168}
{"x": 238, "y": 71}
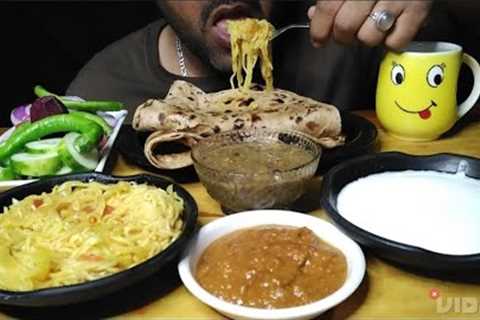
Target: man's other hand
{"x": 348, "y": 21}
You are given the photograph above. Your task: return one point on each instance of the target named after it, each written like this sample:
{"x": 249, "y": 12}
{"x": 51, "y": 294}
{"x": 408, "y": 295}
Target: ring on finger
{"x": 384, "y": 19}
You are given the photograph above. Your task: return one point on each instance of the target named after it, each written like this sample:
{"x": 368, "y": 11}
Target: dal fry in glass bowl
{"x": 256, "y": 169}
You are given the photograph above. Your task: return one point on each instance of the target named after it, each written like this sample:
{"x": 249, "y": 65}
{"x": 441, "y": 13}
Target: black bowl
{"x": 414, "y": 258}
{"x": 98, "y": 288}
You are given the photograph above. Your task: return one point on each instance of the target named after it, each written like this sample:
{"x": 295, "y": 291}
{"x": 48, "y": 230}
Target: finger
{"x": 407, "y": 26}
{"x": 349, "y": 20}
{"x": 311, "y": 12}
{"x": 369, "y": 34}
{"x": 322, "y": 20}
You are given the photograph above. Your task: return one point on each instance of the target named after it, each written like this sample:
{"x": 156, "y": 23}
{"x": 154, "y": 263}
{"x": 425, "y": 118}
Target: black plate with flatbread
{"x": 361, "y": 136}
{"x": 130, "y": 144}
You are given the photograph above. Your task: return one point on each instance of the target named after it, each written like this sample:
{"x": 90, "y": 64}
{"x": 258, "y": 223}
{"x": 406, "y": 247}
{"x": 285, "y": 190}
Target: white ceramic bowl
{"x": 324, "y": 230}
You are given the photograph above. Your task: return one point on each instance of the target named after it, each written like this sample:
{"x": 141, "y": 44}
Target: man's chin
{"x": 222, "y": 64}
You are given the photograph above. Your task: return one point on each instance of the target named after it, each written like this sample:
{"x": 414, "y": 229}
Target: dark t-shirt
{"x": 129, "y": 70}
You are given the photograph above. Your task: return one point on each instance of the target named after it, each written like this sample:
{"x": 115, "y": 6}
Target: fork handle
{"x": 291, "y": 26}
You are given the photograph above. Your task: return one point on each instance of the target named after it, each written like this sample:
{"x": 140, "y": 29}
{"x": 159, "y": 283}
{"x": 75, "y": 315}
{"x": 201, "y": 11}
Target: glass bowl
{"x": 257, "y": 168}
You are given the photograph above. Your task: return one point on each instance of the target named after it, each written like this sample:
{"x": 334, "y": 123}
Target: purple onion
{"x": 103, "y": 143}
{"x": 46, "y": 106}
{"x": 20, "y": 114}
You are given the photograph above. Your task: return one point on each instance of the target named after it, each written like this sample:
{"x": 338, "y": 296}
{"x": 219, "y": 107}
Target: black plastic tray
{"x": 98, "y": 288}
{"x": 415, "y": 258}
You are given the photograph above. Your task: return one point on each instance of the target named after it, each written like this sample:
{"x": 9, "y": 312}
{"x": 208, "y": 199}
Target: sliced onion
{"x": 20, "y": 114}
{"x": 73, "y": 98}
{"x": 112, "y": 117}
{"x": 103, "y": 143}
{"x": 109, "y": 117}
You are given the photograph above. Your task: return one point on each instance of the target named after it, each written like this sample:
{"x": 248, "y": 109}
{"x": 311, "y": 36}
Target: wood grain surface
{"x": 387, "y": 292}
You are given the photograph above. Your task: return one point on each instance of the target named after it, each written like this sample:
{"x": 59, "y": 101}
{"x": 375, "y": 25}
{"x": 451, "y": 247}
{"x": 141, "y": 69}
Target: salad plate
{"x": 114, "y": 118}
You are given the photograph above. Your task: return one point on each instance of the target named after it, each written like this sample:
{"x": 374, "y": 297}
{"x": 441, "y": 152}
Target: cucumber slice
{"x": 43, "y": 146}
{"x": 7, "y": 173}
{"x": 64, "y": 170}
{"x": 74, "y": 159}
{"x": 36, "y": 164}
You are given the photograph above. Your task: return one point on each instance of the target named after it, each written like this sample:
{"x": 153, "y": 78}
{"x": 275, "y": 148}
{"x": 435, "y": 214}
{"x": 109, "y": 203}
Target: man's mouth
{"x": 424, "y": 113}
{"x": 220, "y": 16}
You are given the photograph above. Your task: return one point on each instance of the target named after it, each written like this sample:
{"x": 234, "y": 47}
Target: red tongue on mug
{"x": 425, "y": 114}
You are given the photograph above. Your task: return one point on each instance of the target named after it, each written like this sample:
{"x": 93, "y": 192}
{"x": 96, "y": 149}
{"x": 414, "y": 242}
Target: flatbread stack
{"x": 187, "y": 115}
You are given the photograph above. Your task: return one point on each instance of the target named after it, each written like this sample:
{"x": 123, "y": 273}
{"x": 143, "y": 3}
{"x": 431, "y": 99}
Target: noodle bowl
{"x": 84, "y": 231}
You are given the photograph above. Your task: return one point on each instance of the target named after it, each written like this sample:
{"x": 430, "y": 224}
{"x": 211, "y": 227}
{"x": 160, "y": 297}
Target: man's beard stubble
{"x": 189, "y": 38}
{"x": 193, "y": 39}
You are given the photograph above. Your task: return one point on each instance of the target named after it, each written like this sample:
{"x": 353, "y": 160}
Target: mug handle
{"x": 473, "y": 97}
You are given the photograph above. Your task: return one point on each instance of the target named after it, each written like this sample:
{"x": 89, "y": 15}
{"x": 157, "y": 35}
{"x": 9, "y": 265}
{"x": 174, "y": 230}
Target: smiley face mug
{"x": 417, "y": 90}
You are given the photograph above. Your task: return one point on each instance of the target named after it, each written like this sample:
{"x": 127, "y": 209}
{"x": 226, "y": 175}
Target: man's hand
{"x": 348, "y": 21}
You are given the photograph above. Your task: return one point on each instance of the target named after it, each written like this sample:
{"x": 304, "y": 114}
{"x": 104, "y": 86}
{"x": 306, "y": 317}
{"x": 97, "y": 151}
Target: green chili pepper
{"x": 92, "y": 106}
{"x": 107, "y": 130}
{"x": 89, "y": 106}
{"x": 42, "y": 92}
{"x": 90, "y": 132}
{"x": 19, "y": 129}
{"x": 6, "y": 173}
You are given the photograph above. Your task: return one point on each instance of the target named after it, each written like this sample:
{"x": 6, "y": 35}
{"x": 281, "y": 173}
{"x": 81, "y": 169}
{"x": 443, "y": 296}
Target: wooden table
{"x": 387, "y": 292}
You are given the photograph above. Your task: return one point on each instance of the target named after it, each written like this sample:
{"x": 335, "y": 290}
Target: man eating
{"x": 335, "y": 62}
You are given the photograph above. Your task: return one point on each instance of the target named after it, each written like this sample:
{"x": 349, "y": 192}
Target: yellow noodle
{"x": 250, "y": 40}
{"x": 84, "y": 231}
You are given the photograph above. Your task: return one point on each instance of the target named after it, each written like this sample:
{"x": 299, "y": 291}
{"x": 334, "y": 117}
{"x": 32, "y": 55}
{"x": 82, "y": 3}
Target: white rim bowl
{"x": 324, "y": 230}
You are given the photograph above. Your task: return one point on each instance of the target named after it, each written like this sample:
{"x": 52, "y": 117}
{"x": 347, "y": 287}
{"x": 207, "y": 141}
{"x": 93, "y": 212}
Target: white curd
{"x": 436, "y": 211}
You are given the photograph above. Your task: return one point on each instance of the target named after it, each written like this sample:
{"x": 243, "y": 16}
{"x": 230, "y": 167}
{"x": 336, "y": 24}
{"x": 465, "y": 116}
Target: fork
{"x": 278, "y": 32}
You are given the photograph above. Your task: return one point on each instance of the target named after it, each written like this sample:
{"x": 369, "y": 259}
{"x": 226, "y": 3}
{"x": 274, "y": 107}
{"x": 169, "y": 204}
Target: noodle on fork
{"x": 250, "y": 41}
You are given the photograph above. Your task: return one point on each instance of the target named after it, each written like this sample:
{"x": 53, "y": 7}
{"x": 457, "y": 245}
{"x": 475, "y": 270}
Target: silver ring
{"x": 384, "y": 20}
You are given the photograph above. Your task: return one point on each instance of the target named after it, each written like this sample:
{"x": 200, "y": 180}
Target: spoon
{"x": 278, "y": 32}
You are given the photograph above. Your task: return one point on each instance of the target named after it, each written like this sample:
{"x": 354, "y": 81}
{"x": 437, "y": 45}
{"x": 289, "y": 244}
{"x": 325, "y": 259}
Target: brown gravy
{"x": 271, "y": 267}
{"x": 256, "y": 158}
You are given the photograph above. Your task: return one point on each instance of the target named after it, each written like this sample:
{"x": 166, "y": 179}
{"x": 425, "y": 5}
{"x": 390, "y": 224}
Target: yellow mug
{"x": 417, "y": 90}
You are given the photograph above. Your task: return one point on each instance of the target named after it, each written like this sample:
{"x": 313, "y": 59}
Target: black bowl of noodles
{"x": 97, "y": 288}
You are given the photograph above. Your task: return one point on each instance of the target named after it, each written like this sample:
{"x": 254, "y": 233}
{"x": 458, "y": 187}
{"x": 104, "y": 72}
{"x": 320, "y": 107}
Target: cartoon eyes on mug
{"x": 398, "y": 74}
{"x": 435, "y": 75}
